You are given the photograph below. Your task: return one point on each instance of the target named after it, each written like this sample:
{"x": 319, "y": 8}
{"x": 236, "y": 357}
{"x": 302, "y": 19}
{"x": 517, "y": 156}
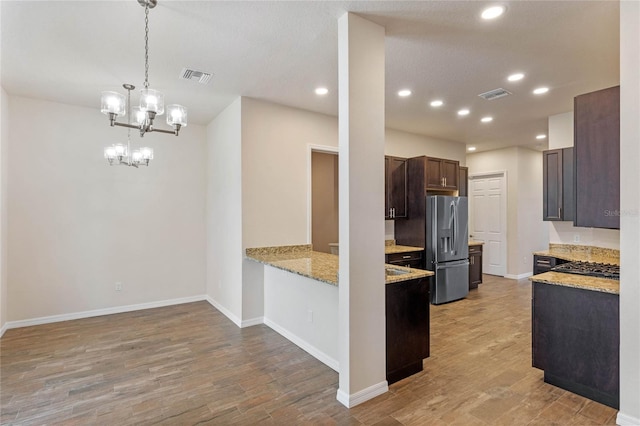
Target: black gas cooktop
{"x": 601, "y": 270}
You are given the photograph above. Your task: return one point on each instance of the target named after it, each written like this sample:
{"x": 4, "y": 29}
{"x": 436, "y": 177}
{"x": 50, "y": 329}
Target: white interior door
{"x": 488, "y": 219}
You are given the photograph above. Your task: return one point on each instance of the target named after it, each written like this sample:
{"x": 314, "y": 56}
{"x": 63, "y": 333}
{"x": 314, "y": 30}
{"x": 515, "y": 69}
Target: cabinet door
{"x": 387, "y": 188}
{"x": 475, "y": 266}
{"x": 433, "y": 173}
{"x": 398, "y": 186}
{"x": 552, "y": 185}
{"x": 597, "y": 155}
{"x": 451, "y": 174}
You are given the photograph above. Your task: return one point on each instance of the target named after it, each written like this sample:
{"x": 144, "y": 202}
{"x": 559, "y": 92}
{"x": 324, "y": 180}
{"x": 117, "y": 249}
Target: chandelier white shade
{"x": 115, "y": 105}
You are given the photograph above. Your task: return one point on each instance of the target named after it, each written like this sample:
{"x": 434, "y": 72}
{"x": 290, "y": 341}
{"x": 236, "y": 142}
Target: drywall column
{"x": 630, "y": 214}
{"x": 361, "y": 196}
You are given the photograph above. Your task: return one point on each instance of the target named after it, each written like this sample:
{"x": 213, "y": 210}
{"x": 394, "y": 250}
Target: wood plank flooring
{"x": 188, "y": 364}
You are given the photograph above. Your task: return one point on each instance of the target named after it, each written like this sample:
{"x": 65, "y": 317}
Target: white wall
{"x": 4, "y": 142}
{"x": 224, "y": 211}
{"x": 303, "y": 310}
{"x": 630, "y": 220}
{"x": 561, "y": 136}
{"x": 78, "y": 225}
{"x": 403, "y": 144}
{"x": 525, "y": 230}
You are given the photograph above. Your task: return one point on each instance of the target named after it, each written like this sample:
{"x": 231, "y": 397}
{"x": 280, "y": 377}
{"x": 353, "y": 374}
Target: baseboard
{"x": 100, "y": 312}
{"x": 625, "y": 420}
{"x": 304, "y": 345}
{"x": 227, "y": 313}
{"x": 253, "y": 321}
{"x": 518, "y": 277}
{"x": 363, "y": 395}
{"x": 3, "y": 329}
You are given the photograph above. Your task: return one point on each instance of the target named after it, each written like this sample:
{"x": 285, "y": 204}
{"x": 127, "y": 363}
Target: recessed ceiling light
{"x": 516, "y": 77}
{"x": 437, "y": 103}
{"x": 540, "y": 90}
{"x": 487, "y": 119}
{"x": 404, "y": 93}
{"x": 492, "y": 12}
{"x": 541, "y": 136}
{"x": 471, "y": 148}
{"x": 463, "y": 112}
{"x": 322, "y": 91}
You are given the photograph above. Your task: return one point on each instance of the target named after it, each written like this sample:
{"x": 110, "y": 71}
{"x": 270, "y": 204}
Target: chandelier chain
{"x": 146, "y": 45}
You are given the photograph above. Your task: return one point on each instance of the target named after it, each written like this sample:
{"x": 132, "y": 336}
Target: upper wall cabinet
{"x": 395, "y": 188}
{"x": 463, "y": 182}
{"x": 441, "y": 174}
{"x": 597, "y": 158}
{"x": 558, "y": 199}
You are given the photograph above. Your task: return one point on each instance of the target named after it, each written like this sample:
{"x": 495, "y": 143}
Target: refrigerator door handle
{"x": 455, "y": 227}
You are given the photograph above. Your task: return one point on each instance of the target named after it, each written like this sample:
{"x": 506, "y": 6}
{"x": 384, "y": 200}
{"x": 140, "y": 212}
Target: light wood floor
{"x": 187, "y": 364}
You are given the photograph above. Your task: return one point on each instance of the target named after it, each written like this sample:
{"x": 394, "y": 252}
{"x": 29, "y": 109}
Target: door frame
{"x": 503, "y": 210}
{"x": 311, "y": 148}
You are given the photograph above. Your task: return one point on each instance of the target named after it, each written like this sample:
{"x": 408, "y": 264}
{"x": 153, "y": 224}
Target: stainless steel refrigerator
{"x": 448, "y": 247}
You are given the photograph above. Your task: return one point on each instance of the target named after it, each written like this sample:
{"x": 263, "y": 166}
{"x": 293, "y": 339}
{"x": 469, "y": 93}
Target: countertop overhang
{"x": 302, "y": 260}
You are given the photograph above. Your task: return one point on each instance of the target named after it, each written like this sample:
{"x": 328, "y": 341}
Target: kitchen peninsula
{"x": 575, "y": 321}
{"x": 301, "y": 303}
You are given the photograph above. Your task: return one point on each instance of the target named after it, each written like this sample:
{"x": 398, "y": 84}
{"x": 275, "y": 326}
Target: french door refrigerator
{"x": 447, "y": 242}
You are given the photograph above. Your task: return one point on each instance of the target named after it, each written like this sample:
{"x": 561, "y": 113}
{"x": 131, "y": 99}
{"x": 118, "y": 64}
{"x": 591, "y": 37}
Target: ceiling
{"x": 70, "y": 51}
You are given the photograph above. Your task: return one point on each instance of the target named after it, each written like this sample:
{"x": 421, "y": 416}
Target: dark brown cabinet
{"x": 475, "y": 266}
{"x": 395, "y": 172}
{"x": 575, "y": 340}
{"x": 441, "y": 174}
{"x": 411, "y": 259}
{"x": 463, "y": 182}
{"x": 558, "y": 182}
{"x": 407, "y": 327}
{"x": 597, "y": 158}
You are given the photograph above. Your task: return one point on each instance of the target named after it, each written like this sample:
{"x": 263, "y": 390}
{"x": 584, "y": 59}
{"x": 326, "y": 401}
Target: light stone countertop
{"x": 572, "y": 252}
{"x": 475, "y": 243}
{"x": 394, "y": 249}
{"x": 302, "y": 260}
{"x": 604, "y": 285}
{"x": 580, "y": 253}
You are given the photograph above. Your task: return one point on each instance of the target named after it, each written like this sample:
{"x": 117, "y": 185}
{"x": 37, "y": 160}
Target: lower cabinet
{"x": 411, "y": 259}
{"x": 475, "y": 266}
{"x": 576, "y": 340}
{"x": 407, "y": 327}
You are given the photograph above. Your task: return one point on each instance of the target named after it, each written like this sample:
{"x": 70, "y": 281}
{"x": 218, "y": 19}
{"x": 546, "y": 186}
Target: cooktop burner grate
{"x": 601, "y": 270}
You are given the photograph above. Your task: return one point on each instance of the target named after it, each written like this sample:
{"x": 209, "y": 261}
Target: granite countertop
{"x": 574, "y": 253}
{"x": 475, "y": 243}
{"x": 394, "y": 249}
{"x": 302, "y": 260}
{"x": 604, "y": 285}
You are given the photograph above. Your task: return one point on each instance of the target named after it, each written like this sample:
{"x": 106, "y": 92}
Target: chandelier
{"x": 142, "y": 117}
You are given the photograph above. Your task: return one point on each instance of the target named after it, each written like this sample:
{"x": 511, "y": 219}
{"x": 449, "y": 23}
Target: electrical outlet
{"x": 309, "y": 315}
{"x": 118, "y": 286}
{"x": 576, "y": 238}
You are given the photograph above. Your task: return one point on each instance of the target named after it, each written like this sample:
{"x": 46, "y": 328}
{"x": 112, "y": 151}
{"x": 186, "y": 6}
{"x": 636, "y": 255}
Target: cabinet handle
{"x": 472, "y": 259}
{"x": 445, "y": 181}
{"x": 407, "y": 257}
{"x": 559, "y": 213}
{"x": 543, "y": 262}
{"x": 393, "y": 212}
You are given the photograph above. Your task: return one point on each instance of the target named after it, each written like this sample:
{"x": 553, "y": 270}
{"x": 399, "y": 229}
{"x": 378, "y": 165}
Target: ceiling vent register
{"x": 199, "y": 76}
{"x": 495, "y": 94}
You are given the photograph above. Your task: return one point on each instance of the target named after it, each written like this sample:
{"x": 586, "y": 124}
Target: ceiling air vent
{"x": 494, "y": 94}
{"x": 199, "y": 76}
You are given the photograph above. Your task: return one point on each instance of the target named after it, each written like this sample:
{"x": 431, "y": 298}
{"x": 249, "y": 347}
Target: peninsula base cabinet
{"x": 576, "y": 340}
{"x": 407, "y": 327}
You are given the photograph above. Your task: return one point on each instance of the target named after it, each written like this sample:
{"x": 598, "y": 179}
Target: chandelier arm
{"x": 146, "y": 45}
